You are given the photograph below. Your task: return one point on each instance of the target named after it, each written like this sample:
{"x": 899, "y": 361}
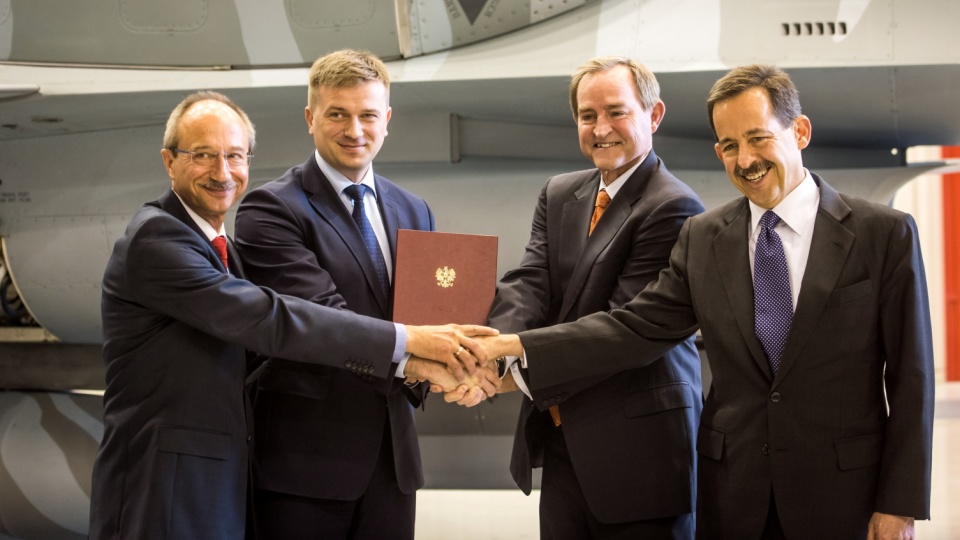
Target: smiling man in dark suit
{"x": 177, "y": 320}
{"x": 814, "y": 313}
{"x": 336, "y": 455}
{"x": 617, "y": 452}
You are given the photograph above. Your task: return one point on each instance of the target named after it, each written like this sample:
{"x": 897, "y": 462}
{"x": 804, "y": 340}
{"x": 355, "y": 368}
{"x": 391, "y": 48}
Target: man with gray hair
{"x": 617, "y": 452}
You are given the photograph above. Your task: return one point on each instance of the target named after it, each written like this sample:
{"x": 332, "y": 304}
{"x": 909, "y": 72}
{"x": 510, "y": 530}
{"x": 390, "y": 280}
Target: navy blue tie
{"x": 355, "y": 192}
{"x": 772, "y": 301}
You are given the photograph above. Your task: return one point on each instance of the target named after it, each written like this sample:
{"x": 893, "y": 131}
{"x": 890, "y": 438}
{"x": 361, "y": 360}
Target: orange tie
{"x": 220, "y": 244}
{"x": 602, "y": 201}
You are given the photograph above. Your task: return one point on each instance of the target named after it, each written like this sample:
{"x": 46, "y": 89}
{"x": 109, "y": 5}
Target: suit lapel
{"x": 829, "y": 248}
{"x": 233, "y": 259}
{"x": 388, "y": 210}
{"x": 733, "y": 261}
{"x": 391, "y": 222}
{"x": 589, "y": 248}
{"x": 328, "y": 205}
{"x": 171, "y": 204}
{"x": 574, "y": 225}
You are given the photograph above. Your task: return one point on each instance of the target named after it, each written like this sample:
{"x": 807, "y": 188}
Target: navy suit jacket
{"x": 320, "y": 429}
{"x": 817, "y": 435}
{"x": 173, "y": 461}
{"x": 631, "y": 435}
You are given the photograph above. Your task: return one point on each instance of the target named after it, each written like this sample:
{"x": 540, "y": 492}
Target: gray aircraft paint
{"x": 47, "y": 446}
{"x": 220, "y": 33}
{"x": 6, "y": 29}
{"x": 476, "y": 129}
{"x": 266, "y": 32}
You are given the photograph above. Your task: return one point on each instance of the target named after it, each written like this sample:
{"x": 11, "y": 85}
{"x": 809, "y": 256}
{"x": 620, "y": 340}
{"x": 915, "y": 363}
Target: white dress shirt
{"x": 204, "y": 225}
{"x": 798, "y": 213}
{"x": 370, "y": 208}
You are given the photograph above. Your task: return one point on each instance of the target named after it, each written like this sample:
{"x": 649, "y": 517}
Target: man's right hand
{"x": 495, "y": 346}
{"x": 451, "y": 345}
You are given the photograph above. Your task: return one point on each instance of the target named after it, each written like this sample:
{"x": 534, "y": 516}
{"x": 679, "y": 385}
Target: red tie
{"x": 602, "y": 201}
{"x": 220, "y": 244}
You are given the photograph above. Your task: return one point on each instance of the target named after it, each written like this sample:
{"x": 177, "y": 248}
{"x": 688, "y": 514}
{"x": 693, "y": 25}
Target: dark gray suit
{"x": 817, "y": 435}
{"x": 630, "y": 436}
{"x": 173, "y": 462}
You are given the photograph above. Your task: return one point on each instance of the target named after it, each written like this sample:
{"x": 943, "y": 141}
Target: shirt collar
{"x": 615, "y": 186}
{"x": 205, "y": 226}
{"x": 341, "y": 182}
{"x": 797, "y": 210}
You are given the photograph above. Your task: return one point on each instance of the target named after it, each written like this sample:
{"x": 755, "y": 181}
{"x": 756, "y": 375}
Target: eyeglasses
{"x": 208, "y": 159}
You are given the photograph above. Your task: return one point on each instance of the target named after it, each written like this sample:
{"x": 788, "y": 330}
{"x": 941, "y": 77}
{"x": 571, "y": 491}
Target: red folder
{"x": 443, "y": 277}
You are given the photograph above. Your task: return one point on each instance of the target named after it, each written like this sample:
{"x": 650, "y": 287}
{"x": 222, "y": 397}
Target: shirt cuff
{"x": 401, "y": 365}
{"x": 400, "y": 357}
{"x": 518, "y": 377}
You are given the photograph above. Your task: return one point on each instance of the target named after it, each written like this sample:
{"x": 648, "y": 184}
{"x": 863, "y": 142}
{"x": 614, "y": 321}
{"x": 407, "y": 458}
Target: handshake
{"x": 460, "y": 361}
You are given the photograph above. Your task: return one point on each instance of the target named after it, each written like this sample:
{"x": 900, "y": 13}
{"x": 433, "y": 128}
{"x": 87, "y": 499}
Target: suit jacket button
{"x": 775, "y": 397}
{"x": 546, "y": 403}
{"x": 765, "y": 449}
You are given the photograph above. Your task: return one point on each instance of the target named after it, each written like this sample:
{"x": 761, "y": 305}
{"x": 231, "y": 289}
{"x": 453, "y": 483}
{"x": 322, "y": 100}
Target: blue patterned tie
{"x": 772, "y": 301}
{"x": 355, "y": 192}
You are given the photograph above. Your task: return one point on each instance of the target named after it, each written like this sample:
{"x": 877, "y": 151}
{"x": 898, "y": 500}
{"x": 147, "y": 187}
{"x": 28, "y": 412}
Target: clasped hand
{"x": 452, "y": 361}
{"x": 468, "y": 391}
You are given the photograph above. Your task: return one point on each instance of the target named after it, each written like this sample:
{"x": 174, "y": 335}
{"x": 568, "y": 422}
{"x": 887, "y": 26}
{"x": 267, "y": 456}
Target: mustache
{"x": 755, "y": 168}
{"x": 214, "y": 185}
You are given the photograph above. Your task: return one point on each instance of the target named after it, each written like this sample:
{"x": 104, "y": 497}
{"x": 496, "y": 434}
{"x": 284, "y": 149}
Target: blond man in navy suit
{"x": 335, "y": 455}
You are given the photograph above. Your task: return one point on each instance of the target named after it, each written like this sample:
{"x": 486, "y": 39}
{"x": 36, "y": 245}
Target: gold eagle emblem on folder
{"x": 445, "y": 277}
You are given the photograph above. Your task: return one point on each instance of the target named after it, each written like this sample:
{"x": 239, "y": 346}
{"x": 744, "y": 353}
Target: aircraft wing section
{"x": 251, "y": 34}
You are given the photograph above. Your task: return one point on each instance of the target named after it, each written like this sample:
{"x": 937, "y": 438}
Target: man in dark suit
{"x": 177, "y": 318}
{"x": 617, "y": 451}
{"x": 336, "y": 455}
{"x": 823, "y": 429}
